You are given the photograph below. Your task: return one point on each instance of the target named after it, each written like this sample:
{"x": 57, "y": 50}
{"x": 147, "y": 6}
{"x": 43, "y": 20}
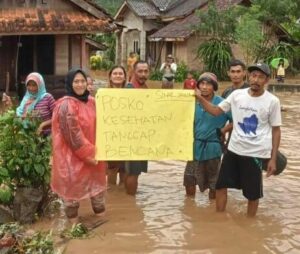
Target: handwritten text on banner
{"x": 144, "y": 124}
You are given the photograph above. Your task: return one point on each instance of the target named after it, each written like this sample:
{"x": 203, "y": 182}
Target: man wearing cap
{"x": 255, "y": 137}
{"x": 168, "y": 69}
{"x": 204, "y": 169}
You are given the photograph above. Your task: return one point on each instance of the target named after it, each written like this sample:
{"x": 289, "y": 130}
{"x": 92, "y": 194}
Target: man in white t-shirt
{"x": 255, "y": 137}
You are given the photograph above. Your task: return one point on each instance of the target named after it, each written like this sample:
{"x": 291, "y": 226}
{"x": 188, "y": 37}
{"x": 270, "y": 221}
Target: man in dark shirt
{"x": 237, "y": 74}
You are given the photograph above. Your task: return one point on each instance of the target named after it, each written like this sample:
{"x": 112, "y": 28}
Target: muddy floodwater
{"x": 162, "y": 220}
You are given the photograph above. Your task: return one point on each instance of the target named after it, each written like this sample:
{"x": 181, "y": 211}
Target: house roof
{"x": 20, "y": 21}
{"x": 165, "y": 5}
{"x": 95, "y": 44}
{"x": 143, "y": 8}
{"x": 178, "y": 30}
{"x": 160, "y": 8}
{"x": 185, "y": 8}
{"x": 181, "y": 29}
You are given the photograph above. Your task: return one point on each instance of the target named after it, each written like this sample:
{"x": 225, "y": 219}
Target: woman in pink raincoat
{"x": 76, "y": 175}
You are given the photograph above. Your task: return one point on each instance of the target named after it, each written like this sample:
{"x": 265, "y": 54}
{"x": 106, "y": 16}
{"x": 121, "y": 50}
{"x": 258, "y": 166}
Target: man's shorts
{"x": 116, "y": 165}
{"x": 136, "y": 167}
{"x": 241, "y": 172}
{"x": 202, "y": 173}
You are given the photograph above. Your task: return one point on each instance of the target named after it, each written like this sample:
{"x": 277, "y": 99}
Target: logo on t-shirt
{"x": 249, "y": 124}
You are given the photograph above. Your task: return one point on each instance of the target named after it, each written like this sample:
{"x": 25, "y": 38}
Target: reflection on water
{"x": 162, "y": 220}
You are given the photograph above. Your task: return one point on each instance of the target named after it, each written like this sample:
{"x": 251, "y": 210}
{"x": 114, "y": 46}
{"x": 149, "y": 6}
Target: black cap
{"x": 260, "y": 67}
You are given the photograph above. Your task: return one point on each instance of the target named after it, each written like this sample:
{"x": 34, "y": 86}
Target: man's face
{"x": 206, "y": 88}
{"x": 257, "y": 80}
{"x": 141, "y": 73}
{"x": 236, "y": 74}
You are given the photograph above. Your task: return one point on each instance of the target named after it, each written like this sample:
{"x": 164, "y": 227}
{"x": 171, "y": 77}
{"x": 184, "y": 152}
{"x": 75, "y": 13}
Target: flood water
{"x": 161, "y": 219}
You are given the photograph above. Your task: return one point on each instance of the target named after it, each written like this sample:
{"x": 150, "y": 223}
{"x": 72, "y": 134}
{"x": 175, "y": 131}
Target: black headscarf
{"x": 69, "y": 85}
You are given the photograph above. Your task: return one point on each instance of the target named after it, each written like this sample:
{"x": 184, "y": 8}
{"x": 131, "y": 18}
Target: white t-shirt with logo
{"x": 253, "y": 119}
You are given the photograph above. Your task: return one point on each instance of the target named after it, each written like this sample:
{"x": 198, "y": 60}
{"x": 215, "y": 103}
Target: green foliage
{"x": 12, "y": 228}
{"x": 222, "y": 29}
{"x": 105, "y": 62}
{"x": 24, "y": 154}
{"x": 216, "y": 56}
{"x": 181, "y": 72}
{"x": 106, "y": 65}
{"x": 110, "y": 5}
{"x": 196, "y": 74}
{"x": 95, "y": 62}
{"x": 38, "y": 243}
{"x": 250, "y": 44}
{"x": 284, "y": 50}
{"x": 280, "y": 50}
{"x": 274, "y": 11}
{"x": 6, "y": 195}
{"x": 108, "y": 40}
{"x": 76, "y": 231}
{"x": 218, "y": 24}
{"x": 271, "y": 13}
{"x": 155, "y": 75}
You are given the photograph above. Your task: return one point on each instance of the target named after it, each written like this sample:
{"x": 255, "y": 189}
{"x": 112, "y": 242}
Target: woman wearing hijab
{"x": 76, "y": 175}
{"x": 36, "y": 102}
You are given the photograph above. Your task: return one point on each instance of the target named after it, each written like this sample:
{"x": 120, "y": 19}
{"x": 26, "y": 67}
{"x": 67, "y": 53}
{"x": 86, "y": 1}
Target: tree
{"x": 249, "y": 44}
{"x": 268, "y": 16}
{"x": 219, "y": 27}
{"x": 110, "y": 5}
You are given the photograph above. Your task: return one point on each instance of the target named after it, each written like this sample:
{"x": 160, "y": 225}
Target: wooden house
{"x": 157, "y": 28}
{"x": 47, "y": 36}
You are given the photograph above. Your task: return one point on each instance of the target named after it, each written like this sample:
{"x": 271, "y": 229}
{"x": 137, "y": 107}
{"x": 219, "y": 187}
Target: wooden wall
{"x": 61, "y": 54}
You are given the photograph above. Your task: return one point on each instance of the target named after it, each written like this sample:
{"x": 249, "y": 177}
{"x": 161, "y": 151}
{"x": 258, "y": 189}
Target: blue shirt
{"x": 207, "y": 144}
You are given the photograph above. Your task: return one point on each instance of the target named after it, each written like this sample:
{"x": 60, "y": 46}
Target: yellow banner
{"x": 144, "y": 124}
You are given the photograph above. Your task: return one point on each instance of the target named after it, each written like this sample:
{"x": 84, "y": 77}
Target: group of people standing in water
{"x": 248, "y": 112}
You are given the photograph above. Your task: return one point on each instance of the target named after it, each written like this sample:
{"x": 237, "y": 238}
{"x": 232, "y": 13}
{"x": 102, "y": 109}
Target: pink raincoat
{"x": 73, "y": 134}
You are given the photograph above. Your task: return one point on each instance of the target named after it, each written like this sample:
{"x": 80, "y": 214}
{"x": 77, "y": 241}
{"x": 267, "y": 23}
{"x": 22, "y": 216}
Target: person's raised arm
{"x": 162, "y": 67}
{"x": 207, "y": 105}
{"x": 174, "y": 67}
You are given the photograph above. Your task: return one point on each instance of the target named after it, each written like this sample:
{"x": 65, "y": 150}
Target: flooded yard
{"x": 161, "y": 219}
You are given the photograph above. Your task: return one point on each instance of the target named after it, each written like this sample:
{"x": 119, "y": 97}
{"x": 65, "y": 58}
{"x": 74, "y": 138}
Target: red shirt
{"x": 189, "y": 84}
